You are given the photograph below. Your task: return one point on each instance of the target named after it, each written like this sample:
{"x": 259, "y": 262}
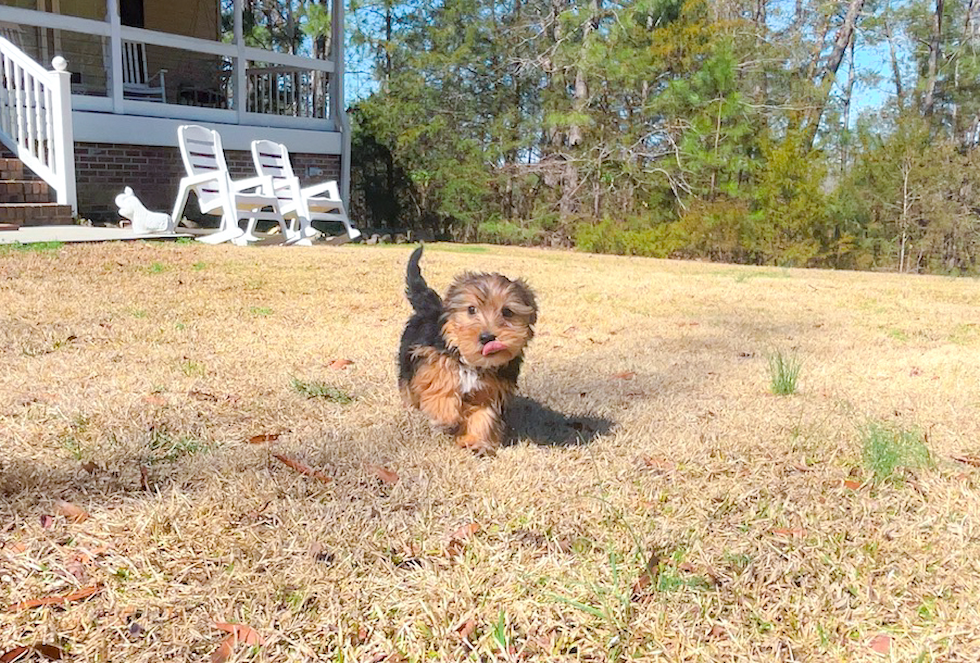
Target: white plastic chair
{"x": 207, "y": 176}
{"x": 302, "y": 205}
{"x": 137, "y": 82}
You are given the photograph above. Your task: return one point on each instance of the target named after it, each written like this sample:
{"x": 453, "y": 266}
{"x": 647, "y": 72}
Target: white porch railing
{"x": 35, "y": 118}
{"x": 289, "y": 91}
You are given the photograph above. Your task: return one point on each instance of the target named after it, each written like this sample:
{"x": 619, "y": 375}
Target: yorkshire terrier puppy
{"x": 460, "y": 356}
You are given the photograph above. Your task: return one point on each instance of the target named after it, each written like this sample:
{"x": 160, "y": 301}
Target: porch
{"x": 139, "y": 70}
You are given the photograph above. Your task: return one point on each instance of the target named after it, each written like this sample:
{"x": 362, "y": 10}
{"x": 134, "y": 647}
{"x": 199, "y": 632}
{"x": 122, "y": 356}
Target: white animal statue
{"x": 144, "y": 221}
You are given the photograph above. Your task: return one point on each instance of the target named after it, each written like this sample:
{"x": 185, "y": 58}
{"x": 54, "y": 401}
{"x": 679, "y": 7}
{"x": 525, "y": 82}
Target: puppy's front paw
{"x": 448, "y": 428}
{"x": 479, "y": 447}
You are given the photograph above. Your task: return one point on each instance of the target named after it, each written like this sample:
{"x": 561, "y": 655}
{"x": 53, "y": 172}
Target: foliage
{"x": 686, "y": 128}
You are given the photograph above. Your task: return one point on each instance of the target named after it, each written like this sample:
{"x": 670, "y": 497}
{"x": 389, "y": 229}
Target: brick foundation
{"x": 102, "y": 170}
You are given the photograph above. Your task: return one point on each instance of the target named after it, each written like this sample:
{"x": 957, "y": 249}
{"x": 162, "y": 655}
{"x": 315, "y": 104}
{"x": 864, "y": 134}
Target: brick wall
{"x": 103, "y": 170}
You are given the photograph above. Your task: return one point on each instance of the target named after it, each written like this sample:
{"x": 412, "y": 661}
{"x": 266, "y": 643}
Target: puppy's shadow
{"x": 529, "y": 420}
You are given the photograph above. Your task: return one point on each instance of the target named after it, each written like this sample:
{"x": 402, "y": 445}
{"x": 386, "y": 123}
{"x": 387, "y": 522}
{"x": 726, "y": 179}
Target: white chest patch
{"x": 469, "y": 380}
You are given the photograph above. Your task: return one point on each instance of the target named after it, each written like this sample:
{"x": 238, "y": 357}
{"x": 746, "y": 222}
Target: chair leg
{"x": 249, "y": 235}
{"x": 182, "y": 195}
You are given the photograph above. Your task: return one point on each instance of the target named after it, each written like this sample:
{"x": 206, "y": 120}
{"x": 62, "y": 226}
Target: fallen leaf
{"x": 466, "y": 628}
{"x": 224, "y": 650}
{"x": 47, "y": 521}
{"x": 77, "y": 569}
{"x": 659, "y": 463}
{"x": 242, "y": 632}
{"x": 80, "y": 595}
{"x": 852, "y": 484}
{"x": 581, "y": 426}
{"x": 718, "y": 631}
{"x": 649, "y": 576}
{"x": 625, "y": 375}
{"x": 14, "y": 654}
{"x": 321, "y": 553}
{"x": 465, "y": 532}
{"x": 144, "y": 478}
{"x": 72, "y": 512}
{"x": 789, "y": 531}
{"x": 49, "y": 652}
{"x": 254, "y": 515}
{"x": 302, "y": 469}
{"x": 340, "y": 364}
{"x": 154, "y": 399}
{"x": 881, "y": 643}
{"x": 90, "y": 467}
{"x": 388, "y": 477}
{"x": 458, "y": 537}
{"x": 687, "y": 567}
{"x": 264, "y": 437}
{"x": 967, "y": 460}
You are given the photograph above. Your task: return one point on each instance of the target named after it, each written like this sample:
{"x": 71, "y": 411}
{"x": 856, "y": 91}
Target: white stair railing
{"x": 35, "y": 118}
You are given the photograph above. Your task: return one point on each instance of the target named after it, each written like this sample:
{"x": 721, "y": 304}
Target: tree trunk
{"x": 934, "y": 45}
{"x": 893, "y": 52}
{"x": 829, "y": 71}
{"x": 580, "y": 104}
{"x": 845, "y": 136}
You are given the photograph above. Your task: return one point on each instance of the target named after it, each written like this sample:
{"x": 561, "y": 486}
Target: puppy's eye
{"x": 507, "y": 313}
{"x": 471, "y": 310}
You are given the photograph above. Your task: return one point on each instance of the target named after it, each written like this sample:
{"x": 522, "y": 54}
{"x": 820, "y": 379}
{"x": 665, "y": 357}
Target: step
{"x": 24, "y": 191}
{"x": 35, "y": 214}
{"x": 11, "y": 169}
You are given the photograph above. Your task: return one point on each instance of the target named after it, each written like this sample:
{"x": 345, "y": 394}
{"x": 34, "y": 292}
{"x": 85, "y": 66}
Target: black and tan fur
{"x": 443, "y": 370}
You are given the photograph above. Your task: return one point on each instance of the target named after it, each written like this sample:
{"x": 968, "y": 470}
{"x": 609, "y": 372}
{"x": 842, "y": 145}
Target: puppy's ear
{"x": 526, "y": 295}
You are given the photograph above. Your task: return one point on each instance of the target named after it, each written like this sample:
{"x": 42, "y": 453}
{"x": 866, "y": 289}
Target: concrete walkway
{"x": 34, "y": 234}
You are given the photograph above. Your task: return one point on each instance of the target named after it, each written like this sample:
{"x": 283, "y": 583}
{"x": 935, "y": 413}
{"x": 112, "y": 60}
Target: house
{"x": 138, "y": 69}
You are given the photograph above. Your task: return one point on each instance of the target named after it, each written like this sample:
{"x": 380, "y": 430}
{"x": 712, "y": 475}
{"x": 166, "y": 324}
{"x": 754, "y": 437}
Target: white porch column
{"x": 240, "y": 62}
{"x": 63, "y": 138}
{"x": 115, "y": 51}
{"x": 338, "y": 106}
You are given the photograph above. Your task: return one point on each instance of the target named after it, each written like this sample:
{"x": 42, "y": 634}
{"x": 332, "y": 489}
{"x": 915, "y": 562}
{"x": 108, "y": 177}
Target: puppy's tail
{"x": 420, "y": 295}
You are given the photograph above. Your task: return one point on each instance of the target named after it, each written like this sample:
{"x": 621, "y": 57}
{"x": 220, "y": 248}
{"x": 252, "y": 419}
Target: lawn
{"x": 708, "y": 462}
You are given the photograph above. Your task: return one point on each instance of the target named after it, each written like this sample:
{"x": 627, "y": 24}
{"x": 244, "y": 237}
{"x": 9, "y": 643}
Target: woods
{"x": 713, "y": 129}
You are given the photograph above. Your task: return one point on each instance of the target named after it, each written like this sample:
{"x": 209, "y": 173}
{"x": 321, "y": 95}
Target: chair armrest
{"x": 328, "y": 187}
{"x": 201, "y": 178}
{"x": 263, "y": 182}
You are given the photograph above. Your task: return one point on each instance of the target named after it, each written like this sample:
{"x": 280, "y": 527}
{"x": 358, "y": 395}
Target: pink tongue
{"x": 491, "y": 347}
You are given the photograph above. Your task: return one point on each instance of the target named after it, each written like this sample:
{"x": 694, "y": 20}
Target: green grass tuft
{"x": 165, "y": 446}
{"x": 784, "y": 371}
{"x": 36, "y": 247}
{"x": 315, "y": 389}
{"x": 885, "y": 449}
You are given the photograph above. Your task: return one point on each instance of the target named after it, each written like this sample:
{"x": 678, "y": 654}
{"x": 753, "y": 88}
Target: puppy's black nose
{"x": 486, "y": 337}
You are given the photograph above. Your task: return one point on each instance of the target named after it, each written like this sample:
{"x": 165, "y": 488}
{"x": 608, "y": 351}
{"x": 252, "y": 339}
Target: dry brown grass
{"x": 134, "y": 376}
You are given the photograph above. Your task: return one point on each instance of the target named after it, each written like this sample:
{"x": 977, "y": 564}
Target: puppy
{"x": 460, "y": 356}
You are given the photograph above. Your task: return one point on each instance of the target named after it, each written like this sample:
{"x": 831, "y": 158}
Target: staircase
{"x": 26, "y": 200}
